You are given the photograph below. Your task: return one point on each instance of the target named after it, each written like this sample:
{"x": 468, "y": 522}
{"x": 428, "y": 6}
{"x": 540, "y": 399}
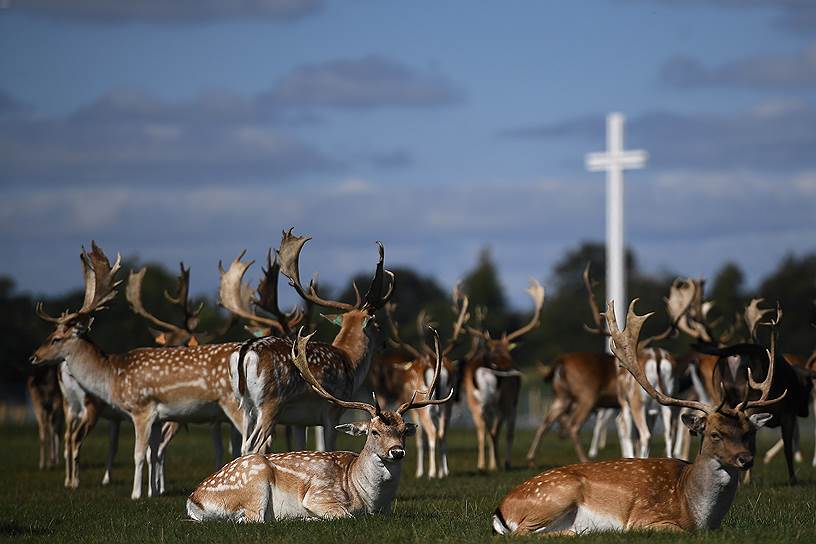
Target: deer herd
{"x": 727, "y": 387}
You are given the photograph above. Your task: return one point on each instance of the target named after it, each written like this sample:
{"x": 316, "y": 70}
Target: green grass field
{"x": 35, "y": 507}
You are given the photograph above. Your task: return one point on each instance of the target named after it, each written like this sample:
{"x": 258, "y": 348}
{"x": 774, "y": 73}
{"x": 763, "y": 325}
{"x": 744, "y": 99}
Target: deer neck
{"x": 352, "y": 340}
{"x": 90, "y": 367}
{"x": 375, "y": 480}
{"x": 709, "y": 489}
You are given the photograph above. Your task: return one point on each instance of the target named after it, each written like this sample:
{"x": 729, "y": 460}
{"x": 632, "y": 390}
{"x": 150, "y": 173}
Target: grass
{"x": 35, "y": 507}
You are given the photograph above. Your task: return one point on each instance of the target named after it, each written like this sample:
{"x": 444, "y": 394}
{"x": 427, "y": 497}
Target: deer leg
{"x": 142, "y": 424}
{"x": 577, "y": 420}
{"x": 86, "y": 423}
{"x": 814, "y": 425}
{"x": 493, "y": 443}
{"x": 667, "y": 415}
{"x": 68, "y": 444}
{"x": 154, "y": 443}
{"x": 773, "y": 451}
{"x": 508, "y": 437}
{"x": 644, "y": 423}
{"x": 442, "y": 434}
{"x": 788, "y": 426}
{"x": 480, "y": 439}
{"x": 267, "y": 418}
{"x": 599, "y": 432}
{"x": 42, "y": 430}
{"x": 113, "y": 447}
{"x": 558, "y": 408}
{"x": 419, "y": 436}
{"x": 320, "y": 438}
{"x": 624, "y": 423}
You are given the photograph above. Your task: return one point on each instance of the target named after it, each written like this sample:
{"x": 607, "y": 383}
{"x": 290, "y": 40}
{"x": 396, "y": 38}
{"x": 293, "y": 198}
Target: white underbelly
{"x": 286, "y": 505}
{"x": 587, "y": 521}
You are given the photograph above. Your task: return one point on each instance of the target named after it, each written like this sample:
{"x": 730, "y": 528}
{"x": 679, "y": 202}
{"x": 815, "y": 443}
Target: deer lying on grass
{"x": 261, "y": 370}
{"x": 395, "y": 382}
{"x": 317, "y": 485}
{"x": 46, "y": 400}
{"x": 149, "y": 385}
{"x": 492, "y": 384}
{"x": 658, "y": 494}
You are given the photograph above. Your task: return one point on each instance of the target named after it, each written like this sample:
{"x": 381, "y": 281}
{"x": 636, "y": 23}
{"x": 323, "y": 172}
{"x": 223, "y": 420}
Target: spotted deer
{"x": 492, "y": 384}
{"x": 148, "y": 385}
{"x": 317, "y": 485}
{"x": 396, "y": 381}
{"x": 169, "y": 334}
{"x": 656, "y": 494}
{"x": 46, "y": 401}
{"x": 262, "y": 373}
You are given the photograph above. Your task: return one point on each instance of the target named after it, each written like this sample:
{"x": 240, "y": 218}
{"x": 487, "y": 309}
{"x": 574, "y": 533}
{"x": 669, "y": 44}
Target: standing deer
{"x": 261, "y": 373}
{"x": 656, "y": 494}
{"x": 149, "y": 385}
{"x": 317, "y": 485}
{"x": 46, "y": 401}
{"x": 492, "y": 384}
{"x": 396, "y": 381}
{"x": 169, "y": 334}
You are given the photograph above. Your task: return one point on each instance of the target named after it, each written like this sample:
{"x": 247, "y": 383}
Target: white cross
{"x": 615, "y": 160}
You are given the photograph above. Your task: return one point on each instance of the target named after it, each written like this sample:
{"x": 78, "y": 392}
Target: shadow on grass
{"x": 13, "y": 529}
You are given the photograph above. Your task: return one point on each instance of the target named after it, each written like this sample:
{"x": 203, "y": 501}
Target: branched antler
{"x": 536, "y": 292}
{"x": 597, "y": 316}
{"x": 429, "y": 400}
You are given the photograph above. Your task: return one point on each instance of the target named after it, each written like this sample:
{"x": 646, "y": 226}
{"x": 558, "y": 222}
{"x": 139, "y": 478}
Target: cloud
{"x": 794, "y": 15}
{"x": 161, "y": 11}
{"x": 777, "y": 135}
{"x": 362, "y": 84}
{"x": 774, "y": 72}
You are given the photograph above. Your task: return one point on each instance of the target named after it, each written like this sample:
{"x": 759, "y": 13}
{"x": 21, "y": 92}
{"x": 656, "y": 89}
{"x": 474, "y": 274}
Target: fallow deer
{"x": 492, "y": 384}
{"x": 170, "y": 334}
{"x": 261, "y": 370}
{"x": 46, "y": 401}
{"x": 317, "y": 485}
{"x": 396, "y": 381}
{"x": 656, "y": 494}
{"x": 149, "y": 385}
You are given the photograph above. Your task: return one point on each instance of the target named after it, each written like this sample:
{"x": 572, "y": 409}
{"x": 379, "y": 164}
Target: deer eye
{"x": 715, "y": 436}
{"x": 375, "y": 432}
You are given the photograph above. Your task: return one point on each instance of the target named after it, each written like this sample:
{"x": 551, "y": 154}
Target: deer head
{"x": 100, "y": 289}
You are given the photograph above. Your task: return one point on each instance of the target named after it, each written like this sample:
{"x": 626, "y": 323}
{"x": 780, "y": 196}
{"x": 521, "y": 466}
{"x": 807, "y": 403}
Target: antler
{"x": 289, "y": 253}
{"x": 597, "y": 316}
{"x": 460, "y": 309}
{"x": 267, "y": 296}
{"x": 536, "y": 292}
{"x": 133, "y": 294}
{"x": 753, "y": 315}
{"x": 299, "y": 358}
{"x": 233, "y": 293}
{"x": 677, "y": 306}
{"x": 693, "y": 322}
{"x": 765, "y": 386}
{"x": 182, "y": 297}
{"x": 625, "y": 348}
{"x": 413, "y": 403}
{"x": 393, "y": 330}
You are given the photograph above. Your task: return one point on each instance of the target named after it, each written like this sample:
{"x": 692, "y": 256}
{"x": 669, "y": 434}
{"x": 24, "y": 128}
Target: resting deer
{"x": 317, "y": 485}
{"x": 658, "y": 494}
{"x": 492, "y": 384}
{"x": 149, "y": 385}
{"x": 270, "y": 392}
{"x": 395, "y": 382}
{"x": 46, "y": 401}
{"x": 166, "y": 333}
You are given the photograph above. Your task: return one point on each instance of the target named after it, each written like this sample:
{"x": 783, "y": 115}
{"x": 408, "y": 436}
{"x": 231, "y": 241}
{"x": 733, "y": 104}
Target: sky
{"x": 193, "y": 129}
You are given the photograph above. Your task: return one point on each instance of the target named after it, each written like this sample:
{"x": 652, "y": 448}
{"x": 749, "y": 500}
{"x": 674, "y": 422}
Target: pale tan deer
{"x": 492, "y": 385}
{"x": 317, "y": 485}
{"x": 262, "y": 374}
{"x": 46, "y": 401}
{"x": 395, "y": 382}
{"x": 149, "y": 385}
{"x": 657, "y": 494}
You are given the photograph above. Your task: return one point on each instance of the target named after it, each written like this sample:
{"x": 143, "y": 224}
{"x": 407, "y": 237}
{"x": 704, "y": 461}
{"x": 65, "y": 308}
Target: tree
{"x": 484, "y": 289}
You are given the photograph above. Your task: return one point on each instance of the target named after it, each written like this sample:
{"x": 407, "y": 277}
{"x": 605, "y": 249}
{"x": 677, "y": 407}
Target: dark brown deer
{"x": 46, "y": 400}
{"x": 270, "y": 389}
{"x": 492, "y": 384}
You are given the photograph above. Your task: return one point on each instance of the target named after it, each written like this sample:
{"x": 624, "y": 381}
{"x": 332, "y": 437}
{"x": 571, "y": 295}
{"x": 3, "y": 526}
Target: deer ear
{"x": 354, "y": 429}
{"x": 696, "y": 424}
{"x": 337, "y": 319}
{"x": 758, "y": 420}
{"x": 410, "y": 429}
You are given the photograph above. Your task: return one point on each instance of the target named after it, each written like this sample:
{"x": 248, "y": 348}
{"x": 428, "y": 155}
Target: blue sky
{"x": 192, "y": 130}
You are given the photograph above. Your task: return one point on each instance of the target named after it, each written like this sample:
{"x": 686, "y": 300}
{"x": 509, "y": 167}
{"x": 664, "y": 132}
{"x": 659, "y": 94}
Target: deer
{"x": 148, "y": 385}
{"x": 318, "y": 485}
{"x": 46, "y": 401}
{"x": 654, "y": 494}
{"x": 166, "y": 333}
{"x": 260, "y": 370}
{"x": 396, "y": 381}
{"x": 492, "y": 384}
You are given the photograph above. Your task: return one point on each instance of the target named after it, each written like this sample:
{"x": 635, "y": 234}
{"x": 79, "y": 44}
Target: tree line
{"x": 792, "y": 283}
